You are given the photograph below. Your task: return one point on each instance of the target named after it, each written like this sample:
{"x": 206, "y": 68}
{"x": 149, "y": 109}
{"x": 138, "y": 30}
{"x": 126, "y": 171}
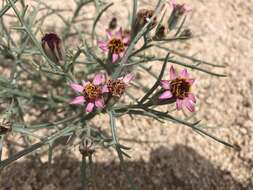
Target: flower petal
{"x": 78, "y": 100}
{"x": 109, "y": 34}
{"x": 114, "y": 57}
{"x": 100, "y": 103}
{"x": 192, "y": 97}
{"x": 173, "y": 74}
{"x": 76, "y": 87}
{"x": 89, "y": 107}
{"x": 179, "y": 104}
{"x": 191, "y": 81}
{"x": 184, "y": 74}
{"x": 84, "y": 83}
{"x": 126, "y": 40}
{"x": 128, "y": 78}
{"x": 165, "y": 84}
{"x": 187, "y": 9}
{"x": 172, "y": 3}
{"x": 121, "y": 54}
{"x": 165, "y": 95}
{"x": 98, "y": 79}
{"x": 119, "y": 34}
{"x": 105, "y": 89}
{"x": 103, "y": 45}
{"x": 189, "y": 104}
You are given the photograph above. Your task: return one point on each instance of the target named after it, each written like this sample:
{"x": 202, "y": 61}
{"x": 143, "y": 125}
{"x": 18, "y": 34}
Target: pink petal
{"x": 121, "y": 54}
{"x": 109, "y": 34}
{"x": 189, "y": 104}
{"x": 103, "y": 45}
{"x": 89, "y": 107}
{"x": 192, "y": 97}
{"x": 119, "y": 34}
{"x": 172, "y": 3}
{"x": 114, "y": 57}
{"x": 187, "y": 9}
{"x": 126, "y": 40}
{"x": 173, "y": 74}
{"x": 128, "y": 78}
{"x": 191, "y": 81}
{"x": 184, "y": 74}
{"x": 179, "y": 104}
{"x": 77, "y": 87}
{"x": 165, "y": 84}
{"x": 105, "y": 89}
{"x": 84, "y": 83}
{"x": 165, "y": 95}
{"x": 98, "y": 79}
{"x": 99, "y": 103}
{"x": 78, "y": 100}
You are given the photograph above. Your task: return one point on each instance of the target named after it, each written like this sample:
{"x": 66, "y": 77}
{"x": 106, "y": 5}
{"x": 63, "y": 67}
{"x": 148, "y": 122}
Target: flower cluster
{"x": 93, "y": 93}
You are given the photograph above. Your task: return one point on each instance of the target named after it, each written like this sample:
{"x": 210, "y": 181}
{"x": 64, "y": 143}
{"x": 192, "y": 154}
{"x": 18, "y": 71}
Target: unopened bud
{"x": 160, "y": 32}
{"x": 86, "y": 147}
{"x": 53, "y": 47}
{"x": 113, "y": 23}
{"x": 178, "y": 11}
{"x": 143, "y": 17}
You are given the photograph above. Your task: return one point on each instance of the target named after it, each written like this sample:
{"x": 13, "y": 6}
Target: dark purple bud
{"x": 160, "y": 32}
{"x": 113, "y": 23}
{"x": 53, "y": 47}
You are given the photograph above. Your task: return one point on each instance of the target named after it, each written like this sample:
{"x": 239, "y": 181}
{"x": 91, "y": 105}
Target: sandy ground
{"x": 175, "y": 157}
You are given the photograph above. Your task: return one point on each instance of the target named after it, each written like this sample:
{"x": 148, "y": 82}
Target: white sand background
{"x": 166, "y": 156}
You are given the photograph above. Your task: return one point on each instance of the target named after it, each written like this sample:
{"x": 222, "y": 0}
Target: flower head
{"x": 118, "y": 86}
{"x": 179, "y": 87}
{"x": 53, "y": 47}
{"x": 91, "y": 93}
{"x": 116, "y": 44}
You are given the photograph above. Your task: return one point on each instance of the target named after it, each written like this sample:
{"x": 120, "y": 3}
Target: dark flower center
{"x": 116, "y": 87}
{"x": 180, "y": 88}
{"x": 116, "y": 46}
{"x": 52, "y": 40}
{"x": 92, "y": 92}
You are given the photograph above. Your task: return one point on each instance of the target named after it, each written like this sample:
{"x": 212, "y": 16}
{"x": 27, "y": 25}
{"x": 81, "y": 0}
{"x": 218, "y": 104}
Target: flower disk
{"x": 92, "y": 92}
{"x": 116, "y": 87}
{"x": 116, "y": 46}
{"x": 180, "y": 88}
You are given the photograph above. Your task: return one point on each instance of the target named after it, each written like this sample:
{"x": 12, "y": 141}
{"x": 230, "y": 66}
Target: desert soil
{"x": 167, "y": 156}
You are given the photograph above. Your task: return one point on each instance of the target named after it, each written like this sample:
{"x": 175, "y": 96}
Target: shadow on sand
{"x": 179, "y": 168}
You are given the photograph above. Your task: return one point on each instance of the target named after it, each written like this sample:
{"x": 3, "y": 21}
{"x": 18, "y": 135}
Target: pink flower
{"x": 179, "y": 87}
{"x": 90, "y": 93}
{"x": 116, "y": 44}
{"x": 118, "y": 86}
